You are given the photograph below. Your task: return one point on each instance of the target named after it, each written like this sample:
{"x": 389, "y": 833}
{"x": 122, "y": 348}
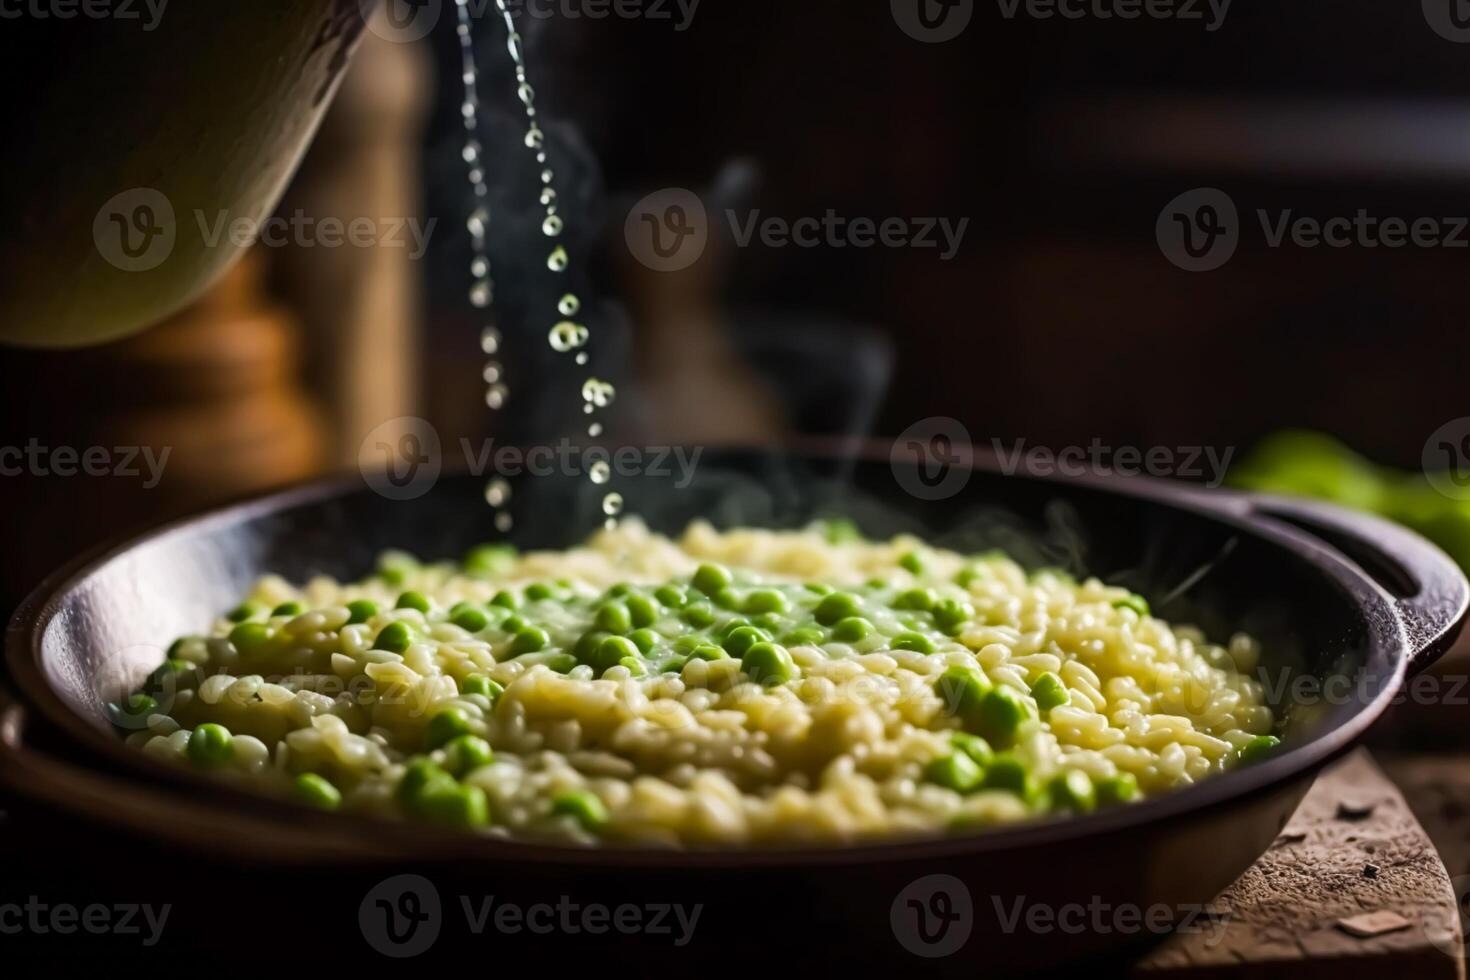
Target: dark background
{"x": 1058, "y": 322}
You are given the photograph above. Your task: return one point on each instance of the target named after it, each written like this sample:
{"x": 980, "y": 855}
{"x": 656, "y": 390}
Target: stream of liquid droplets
{"x": 566, "y": 335}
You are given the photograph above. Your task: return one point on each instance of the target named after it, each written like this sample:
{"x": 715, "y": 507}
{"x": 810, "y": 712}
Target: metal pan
{"x": 1334, "y": 596}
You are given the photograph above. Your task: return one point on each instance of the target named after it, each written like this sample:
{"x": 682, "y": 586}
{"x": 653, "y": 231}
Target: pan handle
{"x": 1429, "y": 590}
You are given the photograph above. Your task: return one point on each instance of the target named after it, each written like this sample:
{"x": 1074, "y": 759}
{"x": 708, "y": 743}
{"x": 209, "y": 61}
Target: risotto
{"x": 724, "y": 688}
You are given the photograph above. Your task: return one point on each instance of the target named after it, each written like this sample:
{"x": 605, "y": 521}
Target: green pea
{"x": 210, "y": 745}
{"x": 1135, "y": 602}
{"x": 1002, "y": 711}
{"x": 852, "y": 630}
{"x": 921, "y": 600}
{"x": 917, "y": 642}
{"x": 582, "y": 805}
{"x": 176, "y": 646}
{"x": 700, "y": 615}
{"x": 1073, "y": 791}
{"x": 560, "y": 663}
{"x": 361, "y": 610}
{"x": 482, "y": 685}
{"x": 688, "y": 642}
{"x": 973, "y": 746}
{"x": 454, "y": 805}
{"x": 314, "y": 791}
{"x": 1259, "y": 748}
{"x": 414, "y": 600}
{"x": 641, "y": 611}
{"x": 587, "y": 645}
{"x": 913, "y": 562}
{"x": 539, "y": 592}
{"x": 394, "y": 567}
{"x": 417, "y": 776}
{"x": 469, "y": 617}
{"x": 708, "y": 651}
{"x": 741, "y": 639}
{"x": 506, "y": 600}
{"x": 444, "y": 726}
{"x": 770, "y": 622}
{"x": 134, "y": 709}
{"x": 841, "y": 531}
{"x": 672, "y": 596}
{"x": 711, "y": 579}
{"x": 806, "y": 636}
{"x": 836, "y": 607}
{"x": 876, "y": 584}
{"x": 768, "y": 664}
{"x": 613, "y": 651}
{"x": 817, "y": 588}
{"x": 530, "y": 640}
{"x": 645, "y": 639}
{"x": 466, "y": 753}
{"x": 395, "y": 638}
{"x": 245, "y": 611}
{"x": 1050, "y": 692}
{"x": 950, "y": 615}
{"x": 620, "y": 590}
{"x": 292, "y": 609}
{"x": 965, "y": 576}
{"x": 635, "y": 666}
{"x": 250, "y": 636}
{"x": 764, "y": 601}
{"x": 727, "y": 599}
{"x": 613, "y": 617}
{"x": 164, "y": 674}
{"x": 489, "y": 560}
{"x": 1116, "y": 790}
{"x": 962, "y": 689}
{"x": 956, "y": 771}
{"x": 1008, "y": 773}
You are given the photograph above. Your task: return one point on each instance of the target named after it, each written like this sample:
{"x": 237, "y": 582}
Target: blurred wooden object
{"x": 361, "y": 305}
{"x": 218, "y": 384}
{"x": 1353, "y": 887}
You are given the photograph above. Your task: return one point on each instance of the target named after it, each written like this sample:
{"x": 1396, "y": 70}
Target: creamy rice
{"x": 1079, "y": 698}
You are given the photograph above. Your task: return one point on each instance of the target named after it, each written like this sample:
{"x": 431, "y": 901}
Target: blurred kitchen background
{"x": 1058, "y": 320}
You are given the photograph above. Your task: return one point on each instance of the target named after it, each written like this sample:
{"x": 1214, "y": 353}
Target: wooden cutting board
{"x": 1352, "y": 888}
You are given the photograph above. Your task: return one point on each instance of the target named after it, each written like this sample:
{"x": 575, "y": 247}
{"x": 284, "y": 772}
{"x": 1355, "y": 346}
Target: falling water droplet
{"x": 490, "y": 340}
{"x": 496, "y": 395}
{"x": 552, "y": 226}
{"x": 493, "y": 372}
{"x": 566, "y": 336}
{"x": 480, "y": 267}
{"x": 526, "y": 93}
{"x": 513, "y": 45}
{"x": 600, "y": 472}
{"x": 548, "y": 195}
{"x": 582, "y": 358}
{"x": 497, "y": 492}
{"x": 478, "y": 219}
{"x": 612, "y": 504}
{"x": 598, "y": 393}
{"x": 569, "y": 305}
{"x": 535, "y": 138}
{"x": 595, "y": 429}
{"x": 480, "y": 294}
{"x": 504, "y": 522}
{"x": 547, "y": 176}
{"x": 471, "y": 148}
{"x": 558, "y": 261}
